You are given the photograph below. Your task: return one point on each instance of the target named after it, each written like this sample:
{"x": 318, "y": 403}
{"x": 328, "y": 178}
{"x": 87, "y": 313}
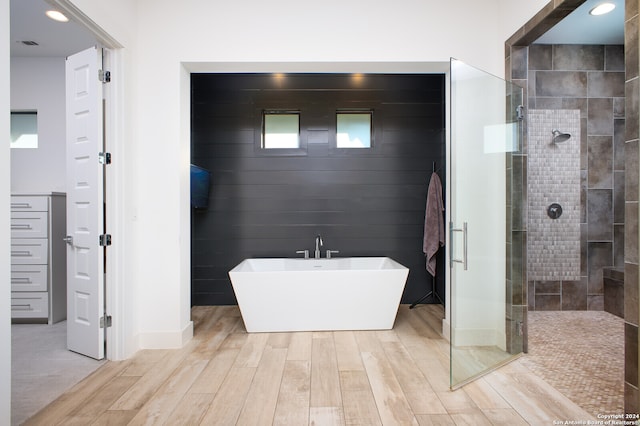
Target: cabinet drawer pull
{"x": 21, "y": 226}
{"x": 21, "y": 307}
{"x": 21, "y": 205}
{"x": 21, "y": 280}
{"x": 21, "y": 253}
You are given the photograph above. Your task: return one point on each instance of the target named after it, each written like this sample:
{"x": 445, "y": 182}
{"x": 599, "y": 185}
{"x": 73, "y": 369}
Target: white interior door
{"x": 85, "y": 196}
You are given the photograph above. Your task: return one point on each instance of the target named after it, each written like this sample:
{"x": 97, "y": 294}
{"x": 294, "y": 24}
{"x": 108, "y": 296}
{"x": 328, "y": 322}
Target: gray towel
{"x": 433, "y": 223}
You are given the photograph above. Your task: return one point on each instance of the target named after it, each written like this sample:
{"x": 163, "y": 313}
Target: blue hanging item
{"x": 200, "y": 179}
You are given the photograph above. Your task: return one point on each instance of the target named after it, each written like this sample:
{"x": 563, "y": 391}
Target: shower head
{"x": 559, "y": 137}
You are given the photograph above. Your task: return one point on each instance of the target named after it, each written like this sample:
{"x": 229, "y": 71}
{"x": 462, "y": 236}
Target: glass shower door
{"x": 485, "y": 331}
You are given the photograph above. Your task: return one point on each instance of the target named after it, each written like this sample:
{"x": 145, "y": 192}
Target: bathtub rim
{"x": 385, "y": 264}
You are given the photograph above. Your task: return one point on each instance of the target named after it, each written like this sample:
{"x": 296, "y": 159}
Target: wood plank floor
{"x": 226, "y": 376}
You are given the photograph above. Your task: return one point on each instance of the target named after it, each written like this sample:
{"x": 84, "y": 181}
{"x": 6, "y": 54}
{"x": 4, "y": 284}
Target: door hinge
{"x": 105, "y": 240}
{"x": 104, "y": 157}
{"x": 104, "y": 76}
{"x": 520, "y": 112}
{"x": 105, "y": 322}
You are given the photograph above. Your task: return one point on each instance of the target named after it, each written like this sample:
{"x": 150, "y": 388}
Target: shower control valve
{"x": 554, "y": 211}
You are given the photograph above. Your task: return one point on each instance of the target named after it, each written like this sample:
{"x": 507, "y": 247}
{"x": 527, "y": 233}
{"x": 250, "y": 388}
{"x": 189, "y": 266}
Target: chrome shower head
{"x": 559, "y": 137}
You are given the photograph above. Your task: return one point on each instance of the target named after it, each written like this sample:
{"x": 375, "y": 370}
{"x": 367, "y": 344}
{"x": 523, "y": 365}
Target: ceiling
{"x": 55, "y": 39}
{"x": 581, "y": 28}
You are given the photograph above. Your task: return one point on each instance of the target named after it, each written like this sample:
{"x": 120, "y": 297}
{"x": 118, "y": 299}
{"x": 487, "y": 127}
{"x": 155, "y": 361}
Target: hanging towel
{"x": 433, "y": 223}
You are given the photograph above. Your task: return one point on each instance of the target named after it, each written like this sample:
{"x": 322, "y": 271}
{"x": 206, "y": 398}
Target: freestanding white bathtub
{"x": 355, "y": 293}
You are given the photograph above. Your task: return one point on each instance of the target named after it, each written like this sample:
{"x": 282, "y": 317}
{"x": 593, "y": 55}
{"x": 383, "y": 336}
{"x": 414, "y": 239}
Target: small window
{"x": 24, "y": 129}
{"x": 280, "y": 130}
{"x": 353, "y": 130}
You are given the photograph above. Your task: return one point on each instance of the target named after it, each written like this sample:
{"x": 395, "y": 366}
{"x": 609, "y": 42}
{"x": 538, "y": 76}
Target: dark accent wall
{"x": 364, "y": 202}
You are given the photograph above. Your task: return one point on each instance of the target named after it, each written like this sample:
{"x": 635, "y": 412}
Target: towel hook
{"x": 433, "y": 167}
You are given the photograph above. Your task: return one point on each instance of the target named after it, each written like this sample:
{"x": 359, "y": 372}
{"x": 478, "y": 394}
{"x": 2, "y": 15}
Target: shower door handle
{"x": 464, "y": 244}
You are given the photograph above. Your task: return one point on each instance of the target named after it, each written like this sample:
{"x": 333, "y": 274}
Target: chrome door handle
{"x": 464, "y": 244}
{"x": 68, "y": 239}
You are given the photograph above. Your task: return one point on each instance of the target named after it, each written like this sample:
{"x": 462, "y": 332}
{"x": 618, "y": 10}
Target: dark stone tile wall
{"x": 516, "y": 232}
{"x": 626, "y": 113}
{"x": 631, "y": 285}
{"x": 590, "y": 78}
{"x": 614, "y": 291}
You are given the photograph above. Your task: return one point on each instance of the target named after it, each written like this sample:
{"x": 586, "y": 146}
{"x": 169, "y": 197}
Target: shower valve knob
{"x": 554, "y": 211}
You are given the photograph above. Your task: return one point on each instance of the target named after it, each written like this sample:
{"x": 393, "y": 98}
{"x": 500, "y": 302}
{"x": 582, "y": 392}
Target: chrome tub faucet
{"x": 318, "y": 245}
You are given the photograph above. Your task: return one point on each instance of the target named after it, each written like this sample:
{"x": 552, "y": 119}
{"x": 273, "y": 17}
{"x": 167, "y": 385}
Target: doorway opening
{"x": 38, "y": 79}
{"x": 539, "y": 54}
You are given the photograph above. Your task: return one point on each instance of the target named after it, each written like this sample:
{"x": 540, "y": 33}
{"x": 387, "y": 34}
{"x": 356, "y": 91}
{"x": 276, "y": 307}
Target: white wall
{"x": 513, "y": 14}
{"x": 38, "y": 84}
{"x": 5, "y": 272}
{"x": 252, "y": 35}
{"x": 157, "y": 36}
{"x": 117, "y": 18}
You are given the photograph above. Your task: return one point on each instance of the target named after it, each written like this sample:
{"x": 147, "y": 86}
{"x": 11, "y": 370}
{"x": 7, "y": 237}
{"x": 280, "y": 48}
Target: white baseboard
{"x": 166, "y": 340}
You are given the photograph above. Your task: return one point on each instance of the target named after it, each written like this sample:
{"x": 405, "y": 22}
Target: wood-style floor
{"x": 225, "y": 376}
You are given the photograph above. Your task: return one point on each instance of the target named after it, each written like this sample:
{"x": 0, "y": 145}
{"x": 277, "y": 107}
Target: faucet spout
{"x": 318, "y": 245}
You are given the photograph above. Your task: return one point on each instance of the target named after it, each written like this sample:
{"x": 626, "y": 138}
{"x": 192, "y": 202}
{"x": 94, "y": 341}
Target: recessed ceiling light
{"x": 56, "y": 16}
{"x": 602, "y": 9}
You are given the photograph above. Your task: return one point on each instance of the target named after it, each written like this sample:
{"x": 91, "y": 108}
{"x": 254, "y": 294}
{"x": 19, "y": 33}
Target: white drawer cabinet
{"x": 30, "y": 305}
{"x": 29, "y": 251}
{"x": 29, "y": 224}
{"x": 38, "y": 257}
{"x": 29, "y": 278}
{"x": 29, "y": 203}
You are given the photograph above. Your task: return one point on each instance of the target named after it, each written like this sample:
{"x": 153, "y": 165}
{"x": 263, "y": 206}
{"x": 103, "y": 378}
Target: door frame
{"x": 539, "y": 24}
{"x": 439, "y": 67}
{"x": 119, "y": 337}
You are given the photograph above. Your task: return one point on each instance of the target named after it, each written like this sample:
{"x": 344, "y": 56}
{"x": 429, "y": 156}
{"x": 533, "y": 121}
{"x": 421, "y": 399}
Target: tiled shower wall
{"x": 631, "y": 253}
{"x": 589, "y": 78}
{"x": 516, "y": 60}
{"x": 554, "y": 178}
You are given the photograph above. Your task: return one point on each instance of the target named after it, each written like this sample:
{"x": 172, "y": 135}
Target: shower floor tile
{"x": 580, "y": 353}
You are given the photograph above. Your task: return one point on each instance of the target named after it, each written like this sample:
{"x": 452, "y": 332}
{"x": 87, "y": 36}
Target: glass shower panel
{"x": 486, "y": 136}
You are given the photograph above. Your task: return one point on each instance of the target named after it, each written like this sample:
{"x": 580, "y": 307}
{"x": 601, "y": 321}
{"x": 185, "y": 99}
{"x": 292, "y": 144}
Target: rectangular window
{"x": 353, "y": 129}
{"x": 24, "y": 129}
{"x": 280, "y": 130}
